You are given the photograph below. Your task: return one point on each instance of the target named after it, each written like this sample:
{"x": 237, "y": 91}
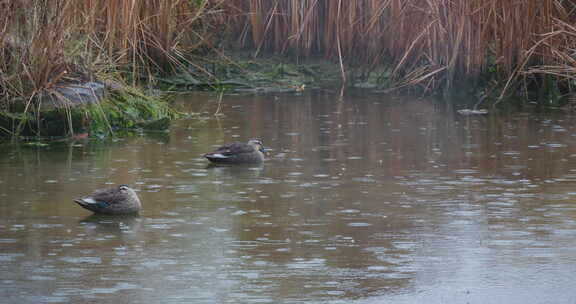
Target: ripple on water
{"x": 82, "y": 260}
{"x": 301, "y": 263}
{"x": 349, "y": 211}
{"x": 359, "y": 224}
{"x": 364, "y": 179}
{"x": 46, "y": 226}
{"x": 158, "y": 262}
{"x": 264, "y": 181}
{"x": 40, "y": 278}
{"x": 10, "y": 257}
{"x": 465, "y": 171}
{"x": 186, "y": 189}
{"x": 405, "y": 245}
{"x": 287, "y": 195}
{"x": 295, "y": 173}
{"x": 556, "y": 145}
{"x": 118, "y": 287}
{"x": 154, "y": 187}
{"x": 195, "y": 172}
{"x": 377, "y": 268}
{"x": 308, "y": 185}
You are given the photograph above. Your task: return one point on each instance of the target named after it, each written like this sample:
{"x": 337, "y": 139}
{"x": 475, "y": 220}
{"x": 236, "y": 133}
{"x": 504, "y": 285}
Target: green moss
{"x": 127, "y": 110}
{"x": 120, "y": 111}
{"x": 243, "y": 73}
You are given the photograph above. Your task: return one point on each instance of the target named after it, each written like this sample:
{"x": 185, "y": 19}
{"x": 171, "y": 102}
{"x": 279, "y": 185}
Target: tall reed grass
{"x": 428, "y": 43}
{"x": 431, "y": 43}
{"x": 44, "y": 43}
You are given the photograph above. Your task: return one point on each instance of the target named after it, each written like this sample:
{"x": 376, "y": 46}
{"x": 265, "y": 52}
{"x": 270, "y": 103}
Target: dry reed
{"x": 431, "y": 43}
{"x": 47, "y": 42}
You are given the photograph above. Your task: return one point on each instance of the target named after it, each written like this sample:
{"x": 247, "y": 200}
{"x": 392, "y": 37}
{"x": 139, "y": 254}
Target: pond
{"x": 364, "y": 199}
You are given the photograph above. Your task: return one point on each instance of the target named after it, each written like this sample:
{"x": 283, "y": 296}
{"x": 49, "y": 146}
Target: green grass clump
{"x": 120, "y": 111}
{"x": 125, "y": 111}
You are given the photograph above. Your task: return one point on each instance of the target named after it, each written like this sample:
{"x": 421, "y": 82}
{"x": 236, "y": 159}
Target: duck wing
{"x": 232, "y": 149}
{"x": 103, "y": 197}
{"x": 237, "y": 148}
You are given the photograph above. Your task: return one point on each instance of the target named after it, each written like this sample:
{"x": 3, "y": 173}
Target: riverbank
{"x": 496, "y": 53}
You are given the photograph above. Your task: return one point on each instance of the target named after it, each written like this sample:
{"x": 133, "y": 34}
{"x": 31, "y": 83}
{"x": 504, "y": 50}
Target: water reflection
{"x": 367, "y": 199}
{"x": 112, "y": 226}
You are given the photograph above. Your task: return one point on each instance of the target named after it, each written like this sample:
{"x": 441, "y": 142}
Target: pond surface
{"x": 365, "y": 199}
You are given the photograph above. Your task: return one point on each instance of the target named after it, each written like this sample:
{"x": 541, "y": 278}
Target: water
{"x": 369, "y": 199}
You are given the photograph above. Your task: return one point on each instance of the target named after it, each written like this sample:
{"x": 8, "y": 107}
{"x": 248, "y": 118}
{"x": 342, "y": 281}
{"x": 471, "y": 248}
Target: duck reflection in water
{"x": 116, "y": 225}
{"x": 236, "y": 172}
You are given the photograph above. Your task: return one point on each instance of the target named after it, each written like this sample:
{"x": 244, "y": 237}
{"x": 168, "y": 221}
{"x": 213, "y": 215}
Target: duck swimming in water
{"x": 251, "y": 152}
{"x": 115, "y": 200}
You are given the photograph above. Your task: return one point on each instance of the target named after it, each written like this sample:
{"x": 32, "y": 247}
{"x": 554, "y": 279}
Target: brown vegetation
{"x": 428, "y": 42}
{"x": 47, "y": 42}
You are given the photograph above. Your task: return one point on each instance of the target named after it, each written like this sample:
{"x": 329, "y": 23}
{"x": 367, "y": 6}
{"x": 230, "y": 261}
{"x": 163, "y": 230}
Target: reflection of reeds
{"x": 429, "y": 42}
{"x": 44, "y": 43}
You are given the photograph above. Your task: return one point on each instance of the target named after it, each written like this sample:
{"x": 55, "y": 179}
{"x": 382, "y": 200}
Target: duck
{"x": 251, "y": 152}
{"x": 116, "y": 200}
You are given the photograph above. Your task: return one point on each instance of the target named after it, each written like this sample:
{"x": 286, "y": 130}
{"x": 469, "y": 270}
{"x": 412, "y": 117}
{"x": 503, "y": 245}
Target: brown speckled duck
{"x": 115, "y": 200}
{"x": 251, "y": 152}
